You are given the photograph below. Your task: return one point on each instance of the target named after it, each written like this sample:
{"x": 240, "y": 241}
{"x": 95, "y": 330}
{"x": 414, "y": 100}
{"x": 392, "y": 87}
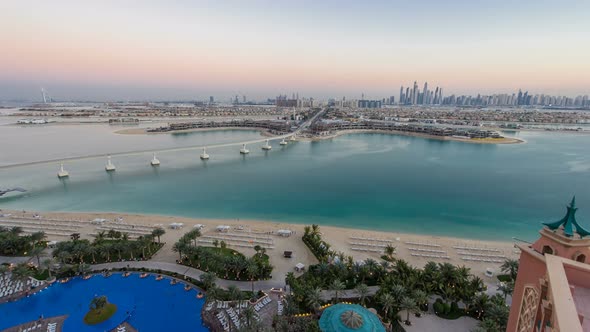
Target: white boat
{"x": 109, "y": 167}
{"x": 62, "y": 172}
{"x": 155, "y": 161}
{"x": 204, "y": 155}
{"x": 266, "y": 146}
{"x": 283, "y": 142}
{"x": 243, "y": 150}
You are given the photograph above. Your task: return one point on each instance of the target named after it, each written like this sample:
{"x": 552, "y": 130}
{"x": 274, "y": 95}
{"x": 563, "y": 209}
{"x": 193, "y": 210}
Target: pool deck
{"x": 42, "y": 325}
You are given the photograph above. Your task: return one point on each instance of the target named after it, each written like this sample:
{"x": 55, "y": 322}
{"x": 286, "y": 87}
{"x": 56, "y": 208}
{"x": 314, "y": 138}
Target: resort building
{"x": 552, "y": 289}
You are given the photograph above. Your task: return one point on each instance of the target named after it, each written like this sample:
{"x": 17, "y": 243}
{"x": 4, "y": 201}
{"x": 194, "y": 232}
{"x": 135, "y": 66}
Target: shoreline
{"x": 341, "y": 239}
{"x": 264, "y": 132}
{"x": 505, "y": 140}
{"x": 143, "y": 131}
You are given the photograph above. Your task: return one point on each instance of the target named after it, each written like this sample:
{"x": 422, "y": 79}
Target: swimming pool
{"x": 152, "y": 305}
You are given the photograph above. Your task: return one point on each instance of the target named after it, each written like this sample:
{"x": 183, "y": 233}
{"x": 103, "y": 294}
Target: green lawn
{"x": 94, "y": 316}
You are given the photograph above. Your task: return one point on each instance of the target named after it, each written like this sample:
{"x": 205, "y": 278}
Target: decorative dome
{"x": 344, "y": 317}
{"x": 351, "y": 319}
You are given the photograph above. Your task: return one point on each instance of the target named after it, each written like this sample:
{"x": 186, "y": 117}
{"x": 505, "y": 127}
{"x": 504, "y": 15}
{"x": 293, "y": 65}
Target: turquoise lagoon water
{"x": 146, "y": 304}
{"x": 371, "y": 181}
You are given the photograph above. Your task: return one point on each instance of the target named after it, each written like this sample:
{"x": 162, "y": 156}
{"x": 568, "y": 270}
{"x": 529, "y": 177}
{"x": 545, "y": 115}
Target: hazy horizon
{"x": 187, "y": 50}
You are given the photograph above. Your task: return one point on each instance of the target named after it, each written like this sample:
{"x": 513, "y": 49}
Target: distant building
{"x": 552, "y": 289}
{"x": 211, "y": 100}
{"x": 283, "y": 101}
{"x": 364, "y": 103}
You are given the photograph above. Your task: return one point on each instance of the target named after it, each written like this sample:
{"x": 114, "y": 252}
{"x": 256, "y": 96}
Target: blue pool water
{"x": 153, "y": 305}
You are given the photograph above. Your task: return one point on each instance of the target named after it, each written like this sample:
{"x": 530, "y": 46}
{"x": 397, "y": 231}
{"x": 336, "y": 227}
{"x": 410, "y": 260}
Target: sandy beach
{"x": 408, "y": 246}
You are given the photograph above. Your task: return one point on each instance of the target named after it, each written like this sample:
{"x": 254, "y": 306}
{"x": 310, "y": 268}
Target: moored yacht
{"x": 155, "y": 161}
{"x": 204, "y": 155}
{"x": 109, "y": 167}
{"x": 62, "y": 172}
{"x": 243, "y": 150}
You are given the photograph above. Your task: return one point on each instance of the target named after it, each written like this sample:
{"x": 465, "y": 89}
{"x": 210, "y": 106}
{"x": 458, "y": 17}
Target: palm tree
{"x": 362, "y": 290}
{"x": 336, "y": 286}
{"x": 510, "y": 266}
{"x": 390, "y": 251}
{"x": 248, "y": 315}
{"x": 36, "y": 252}
{"x": 234, "y": 292}
{"x": 208, "y": 279}
{"x": 105, "y": 251}
{"x": 92, "y": 251}
{"x": 290, "y": 279}
{"x": 480, "y": 303}
{"x": 313, "y": 298}
{"x": 98, "y": 303}
{"x": 158, "y": 232}
{"x": 75, "y": 236}
{"x": 409, "y": 305}
{"x": 506, "y": 288}
{"x": 84, "y": 268}
{"x": 16, "y": 230}
{"x": 100, "y": 237}
{"x": 421, "y": 298}
{"x": 37, "y": 237}
{"x": 48, "y": 263}
{"x": 387, "y": 303}
{"x": 253, "y": 270}
{"x": 213, "y": 293}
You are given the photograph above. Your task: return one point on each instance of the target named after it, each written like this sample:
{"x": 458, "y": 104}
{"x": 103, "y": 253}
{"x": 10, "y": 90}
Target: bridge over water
{"x": 301, "y": 128}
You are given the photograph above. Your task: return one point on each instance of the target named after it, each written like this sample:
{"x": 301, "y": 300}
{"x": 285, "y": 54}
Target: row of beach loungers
{"x": 369, "y": 239}
{"x": 464, "y": 253}
{"x": 227, "y": 311}
{"x": 477, "y": 259}
{"x": 241, "y": 245}
{"x": 33, "y": 328}
{"x": 9, "y": 287}
{"x": 431, "y": 256}
{"x": 264, "y": 301}
{"x": 476, "y": 249}
{"x": 51, "y": 327}
{"x": 280, "y": 308}
{"x": 366, "y": 249}
{"x": 239, "y": 239}
{"x": 39, "y": 223}
{"x": 265, "y": 238}
{"x": 423, "y": 244}
{"x": 427, "y": 250}
{"x": 235, "y": 318}
{"x": 368, "y": 244}
{"x": 223, "y": 320}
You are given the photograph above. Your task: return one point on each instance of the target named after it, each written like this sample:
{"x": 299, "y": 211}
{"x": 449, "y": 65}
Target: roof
{"x": 569, "y": 222}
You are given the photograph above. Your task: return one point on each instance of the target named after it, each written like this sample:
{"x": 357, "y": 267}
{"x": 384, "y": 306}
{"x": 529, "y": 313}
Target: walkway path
{"x": 189, "y": 272}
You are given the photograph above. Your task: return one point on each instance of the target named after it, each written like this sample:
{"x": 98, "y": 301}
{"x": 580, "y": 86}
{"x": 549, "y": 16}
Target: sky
{"x": 186, "y": 50}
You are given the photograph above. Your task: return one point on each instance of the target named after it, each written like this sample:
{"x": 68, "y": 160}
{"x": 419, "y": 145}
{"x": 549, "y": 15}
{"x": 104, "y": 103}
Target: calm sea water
{"x": 371, "y": 181}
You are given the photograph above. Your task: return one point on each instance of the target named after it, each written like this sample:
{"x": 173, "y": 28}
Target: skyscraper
{"x": 425, "y": 94}
{"x": 415, "y": 94}
{"x": 401, "y": 95}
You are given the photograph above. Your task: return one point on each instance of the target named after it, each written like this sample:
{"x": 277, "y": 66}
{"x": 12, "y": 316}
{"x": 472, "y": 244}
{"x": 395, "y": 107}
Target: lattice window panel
{"x": 528, "y": 310}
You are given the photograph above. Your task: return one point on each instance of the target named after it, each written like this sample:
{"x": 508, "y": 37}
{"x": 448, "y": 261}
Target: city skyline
{"x": 151, "y": 50}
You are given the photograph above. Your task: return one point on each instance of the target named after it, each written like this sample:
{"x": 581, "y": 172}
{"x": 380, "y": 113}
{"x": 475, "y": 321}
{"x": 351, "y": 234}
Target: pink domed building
{"x": 552, "y": 289}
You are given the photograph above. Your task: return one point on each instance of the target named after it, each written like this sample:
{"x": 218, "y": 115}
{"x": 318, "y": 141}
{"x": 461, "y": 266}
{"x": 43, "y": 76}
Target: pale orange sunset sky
{"x": 192, "y": 49}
